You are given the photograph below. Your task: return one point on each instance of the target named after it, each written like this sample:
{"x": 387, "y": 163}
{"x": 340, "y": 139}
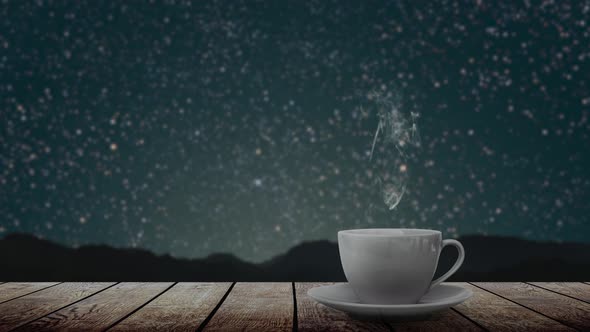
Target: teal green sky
{"x": 246, "y": 126}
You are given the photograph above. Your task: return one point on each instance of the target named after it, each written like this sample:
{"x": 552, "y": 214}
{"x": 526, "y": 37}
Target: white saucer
{"x": 343, "y": 298}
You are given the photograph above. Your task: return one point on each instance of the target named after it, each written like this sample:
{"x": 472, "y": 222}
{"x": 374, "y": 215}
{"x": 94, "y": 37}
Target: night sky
{"x": 246, "y": 126}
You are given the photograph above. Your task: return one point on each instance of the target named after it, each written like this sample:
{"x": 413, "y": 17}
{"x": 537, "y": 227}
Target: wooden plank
{"x": 11, "y": 290}
{"x": 38, "y": 304}
{"x": 255, "y": 307}
{"x": 100, "y": 311}
{"x": 183, "y": 307}
{"x": 497, "y": 314}
{"x": 566, "y": 310}
{"x": 447, "y": 320}
{"x": 313, "y": 316}
{"x": 577, "y": 290}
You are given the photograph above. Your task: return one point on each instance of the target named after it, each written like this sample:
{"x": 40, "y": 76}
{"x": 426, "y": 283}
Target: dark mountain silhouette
{"x": 26, "y": 258}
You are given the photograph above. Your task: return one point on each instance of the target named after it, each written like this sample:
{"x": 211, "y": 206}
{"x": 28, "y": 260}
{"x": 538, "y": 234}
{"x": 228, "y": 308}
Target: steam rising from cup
{"x": 398, "y": 131}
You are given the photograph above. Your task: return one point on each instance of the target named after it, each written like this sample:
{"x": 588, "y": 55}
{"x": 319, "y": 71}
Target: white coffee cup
{"x": 393, "y": 265}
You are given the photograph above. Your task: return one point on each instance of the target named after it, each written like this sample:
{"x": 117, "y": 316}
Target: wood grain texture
{"x": 182, "y": 308}
{"x": 313, "y": 316}
{"x": 38, "y": 304}
{"x": 447, "y": 320}
{"x": 497, "y": 314}
{"x": 269, "y": 307}
{"x": 11, "y": 290}
{"x": 100, "y": 311}
{"x": 576, "y": 290}
{"x": 255, "y": 307}
{"x": 566, "y": 310}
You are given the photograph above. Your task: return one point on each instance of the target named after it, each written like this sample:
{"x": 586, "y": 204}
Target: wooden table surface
{"x": 169, "y": 306}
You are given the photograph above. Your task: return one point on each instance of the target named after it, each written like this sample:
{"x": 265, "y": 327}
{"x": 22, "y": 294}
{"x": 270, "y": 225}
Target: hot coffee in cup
{"x": 393, "y": 265}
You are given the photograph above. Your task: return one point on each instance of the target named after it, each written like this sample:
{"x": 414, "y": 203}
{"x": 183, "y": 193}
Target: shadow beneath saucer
{"x": 393, "y": 319}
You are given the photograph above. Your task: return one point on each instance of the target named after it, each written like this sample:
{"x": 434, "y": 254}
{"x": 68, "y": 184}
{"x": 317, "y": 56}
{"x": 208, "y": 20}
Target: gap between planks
{"x": 212, "y": 313}
{"x": 505, "y": 298}
{"x": 98, "y": 312}
{"x": 560, "y": 293}
{"x": 123, "y": 318}
{"x": 141, "y": 306}
{"x": 524, "y": 306}
{"x": 202, "y": 326}
{"x": 496, "y": 313}
{"x": 31, "y": 292}
{"x": 259, "y": 306}
{"x": 295, "y": 327}
{"x": 66, "y": 304}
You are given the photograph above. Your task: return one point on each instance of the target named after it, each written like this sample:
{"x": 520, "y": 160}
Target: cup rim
{"x": 389, "y": 232}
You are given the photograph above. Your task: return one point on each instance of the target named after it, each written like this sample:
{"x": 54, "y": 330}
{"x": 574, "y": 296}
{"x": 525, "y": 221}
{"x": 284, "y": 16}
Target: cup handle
{"x": 455, "y": 267}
